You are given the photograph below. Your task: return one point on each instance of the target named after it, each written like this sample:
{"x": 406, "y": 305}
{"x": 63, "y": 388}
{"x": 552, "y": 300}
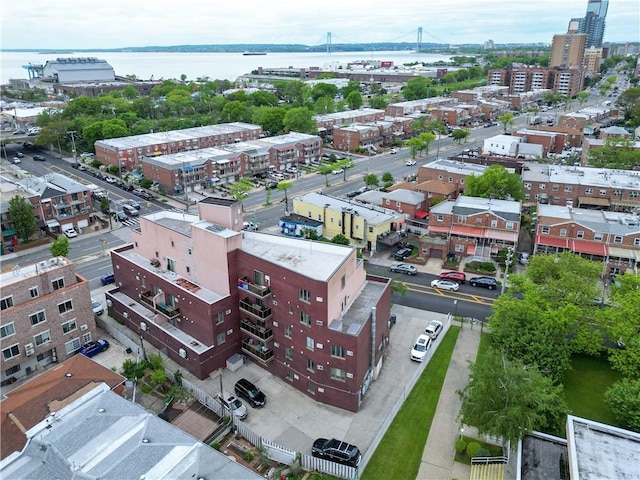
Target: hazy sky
{"x": 74, "y": 24}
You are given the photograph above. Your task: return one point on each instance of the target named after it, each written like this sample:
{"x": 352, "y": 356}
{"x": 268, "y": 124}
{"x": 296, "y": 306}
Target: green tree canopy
{"x": 21, "y": 214}
{"x": 417, "y": 88}
{"x": 495, "y": 182}
{"x": 460, "y": 134}
{"x": 299, "y": 119}
{"x": 60, "y": 247}
{"x": 354, "y": 100}
{"x": 320, "y": 90}
{"x": 622, "y": 398}
{"x": 506, "y": 119}
{"x": 371, "y": 180}
{"x": 340, "y": 239}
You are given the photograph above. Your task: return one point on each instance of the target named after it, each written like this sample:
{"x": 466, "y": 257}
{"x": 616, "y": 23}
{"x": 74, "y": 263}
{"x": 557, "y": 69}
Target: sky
{"x": 74, "y": 24}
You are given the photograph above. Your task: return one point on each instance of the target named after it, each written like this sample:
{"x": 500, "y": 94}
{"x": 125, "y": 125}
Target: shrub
{"x": 461, "y": 446}
{"x": 483, "y": 452}
{"x": 472, "y": 449}
{"x": 216, "y": 445}
{"x": 146, "y": 388}
{"x": 248, "y": 456}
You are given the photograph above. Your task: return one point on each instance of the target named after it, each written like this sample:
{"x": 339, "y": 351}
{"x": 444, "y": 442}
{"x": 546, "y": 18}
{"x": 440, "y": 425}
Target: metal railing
{"x": 254, "y": 309}
{"x": 257, "y": 331}
{"x": 259, "y": 290}
{"x": 166, "y": 310}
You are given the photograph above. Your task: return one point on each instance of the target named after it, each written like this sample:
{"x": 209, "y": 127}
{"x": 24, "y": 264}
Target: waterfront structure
{"x": 594, "y": 22}
{"x": 567, "y": 50}
{"x": 46, "y": 315}
{"x": 202, "y": 290}
{"x": 78, "y": 69}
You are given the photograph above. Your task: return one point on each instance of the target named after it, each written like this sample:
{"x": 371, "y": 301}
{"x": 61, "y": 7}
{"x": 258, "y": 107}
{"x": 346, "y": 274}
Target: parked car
{"x": 524, "y": 258}
{"x": 336, "y": 451}
{"x": 133, "y": 203}
{"x": 130, "y": 210}
{"x": 97, "y": 307}
{"x": 352, "y": 194}
{"x": 252, "y": 394}
{"x": 91, "y": 349}
{"x": 250, "y": 226}
{"x": 410, "y": 163}
{"x": 121, "y": 216}
{"x": 19, "y": 154}
{"x": 292, "y": 170}
{"x": 445, "y": 285}
{"x": 393, "y": 151}
{"x": 454, "y": 276}
{"x": 403, "y": 253}
{"x": 486, "y": 282}
{"x": 107, "y": 278}
{"x": 433, "y": 329}
{"x": 39, "y": 158}
{"x": 232, "y": 405}
{"x": 338, "y": 171}
{"x": 19, "y": 132}
{"x": 420, "y": 348}
{"x": 403, "y": 268}
{"x": 16, "y": 160}
{"x": 271, "y": 185}
{"x": 70, "y": 232}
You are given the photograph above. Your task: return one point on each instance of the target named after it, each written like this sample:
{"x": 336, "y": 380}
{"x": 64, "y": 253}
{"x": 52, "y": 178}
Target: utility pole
{"x": 73, "y": 144}
{"x": 508, "y": 261}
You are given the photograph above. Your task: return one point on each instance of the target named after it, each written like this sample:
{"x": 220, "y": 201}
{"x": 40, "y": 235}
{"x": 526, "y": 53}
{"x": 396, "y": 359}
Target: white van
{"x": 277, "y": 176}
{"x": 130, "y": 210}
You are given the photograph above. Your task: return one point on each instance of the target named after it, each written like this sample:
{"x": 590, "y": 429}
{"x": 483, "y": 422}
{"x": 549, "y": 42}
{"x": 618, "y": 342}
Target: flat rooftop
{"x": 374, "y": 215}
{"x": 355, "y": 319}
{"x": 453, "y": 166}
{"x": 575, "y": 175}
{"x": 18, "y": 273}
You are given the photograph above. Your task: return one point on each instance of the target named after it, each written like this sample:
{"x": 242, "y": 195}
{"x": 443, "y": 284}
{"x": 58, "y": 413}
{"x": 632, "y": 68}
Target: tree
{"x": 506, "y": 119}
{"x": 21, "y": 214}
{"x": 378, "y": 102}
{"x": 414, "y": 145}
{"x": 622, "y": 325}
{"x": 417, "y": 88}
{"x": 629, "y": 100}
{"x": 235, "y": 111}
{"x": 354, "y": 99}
{"x": 345, "y": 165}
{"x": 352, "y": 86}
{"x": 283, "y": 187}
{"x": 104, "y": 204}
{"x": 495, "y": 182}
{"x": 60, "y": 247}
{"x": 387, "y": 178}
{"x": 270, "y": 118}
{"x": 325, "y": 105}
{"x": 240, "y": 190}
{"x": 340, "y": 239}
{"x": 508, "y": 399}
{"x": 320, "y": 90}
{"x": 460, "y": 134}
{"x": 371, "y": 180}
{"x": 326, "y": 171}
{"x": 582, "y": 97}
{"x": 622, "y": 399}
{"x": 299, "y": 119}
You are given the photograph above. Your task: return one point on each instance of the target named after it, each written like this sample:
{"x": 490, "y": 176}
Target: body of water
{"x": 229, "y": 66}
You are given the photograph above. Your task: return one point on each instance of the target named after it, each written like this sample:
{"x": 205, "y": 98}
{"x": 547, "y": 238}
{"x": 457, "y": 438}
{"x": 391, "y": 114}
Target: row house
{"x": 478, "y": 93}
{"x": 326, "y": 122}
{"x": 369, "y": 136}
{"x": 203, "y": 290}
{"x": 576, "y": 186}
{"x": 472, "y": 226}
{"x": 570, "y": 136}
{"x": 128, "y": 152}
{"x": 434, "y": 191}
{"x": 551, "y": 142}
{"x": 406, "y": 202}
{"x": 62, "y": 202}
{"x": 423, "y": 105}
{"x": 612, "y": 238}
{"x": 589, "y": 120}
{"x": 492, "y": 109}
{"x": 449, "y": 171}
{"x": 511, "y": 146}
{"x": 460, "y": 115}
{"x": 364, "y": 225}
{"x": 293, "y": 149}
{"x": 9, "y": 190}
{"x": 611, "y": 137}
{"x": 522, "y": 101}
{"x": 46, "y": 316}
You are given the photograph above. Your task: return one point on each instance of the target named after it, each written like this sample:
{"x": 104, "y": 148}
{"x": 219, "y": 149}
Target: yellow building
{"x": 364, "y": 225}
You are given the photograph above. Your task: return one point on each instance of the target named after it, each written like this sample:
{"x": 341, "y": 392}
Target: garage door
{"x": 435, "y": 253}
{"x": 66, "y": 225}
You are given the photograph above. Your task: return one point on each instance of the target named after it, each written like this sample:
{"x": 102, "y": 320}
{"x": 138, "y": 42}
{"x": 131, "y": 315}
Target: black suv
{"x": 39, "y": 158}
{"x": 486, "y": 282}
{"x": 244, "y": 388}
{"x": 336, "y": 451}
{"x": 403, "y": 253}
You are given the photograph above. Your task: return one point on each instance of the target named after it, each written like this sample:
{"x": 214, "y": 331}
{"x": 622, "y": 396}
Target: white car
{"x": 70, "y": 232}
{"x": 433, "y": 329}
{"x": 97, "y": 307}
{"x": 445, "y": 285}
{"x": 232, "y": 405}
{"x": 338, "y": 171}
{"x": 111, "y": 180}
{"x": 420, "y": 348}
{"x": 410, "y": 163}
{"x": 393, "y": 150}
{"x": 250, "y": 226}
{"x": 16, "y": 160}
{"x": 291, "y": 170}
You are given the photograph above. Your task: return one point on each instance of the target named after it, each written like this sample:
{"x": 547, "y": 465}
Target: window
{"x": 603, "y": 191}
{"x": 287, "y": 331}
{"x": 459, "y": 247}
{"x": 305, "y": 319}
{"x": 634, "y": 194}
{"x": 6, "y": 302}
{"x": 65, "y": 306}
{"x": 219, "y": 318}
{"x": 310, "y": 365}
{"x": 527, "y": 186}
{"x": 171, "y": 265}
{"x": 337, "y": 351}
{"x": 462, "y": 181}
{"x": 545, "y": 230}
{"x": 343, "y": 281}
{"x": 12, "y": 370}
{"x": 188, "y": 269}
{"x": 588, "y": 191}
{"x": 11, "y": 352}
{"x": 58, "y": 284}
{"x": 37, "y": 318}
{"x": 288, "y": 353}
{"x": 42, "y": 338}
{"x": 617, "y": 239}
{"x": 189, "y": 251}
{"x": 636, "y": 242}
{"x": 568, "y": 188}
{"x": 370, "y": 229}
{"x": 311, "y": 388}
{"x": 69, "y": 326}
{"x": 220, "y": 338}
{"x": 72, "y": 345}
{"x": 440, "y": 177}
{"x": 440, "y": 218}
{"x": 7, "y": 330}
{"x": 289, "y": 375}
{"x": 617, "y": 193}
{"x": 541, "y": 186}
{"x": 33, "y": 291}
{"x": 338, "y": 374}
{"x": 563, "y": 232}
{"x": 494, "y": 224}
{"x": 86, "y": 338}
{"x": 555, "y": 188}
{"x": 450, "y": 179}
{"x": 509, "y": 225}
{"x": 310, "y": 343}
{"x": 304, "y": 295}
{"x": 597, "y": 236}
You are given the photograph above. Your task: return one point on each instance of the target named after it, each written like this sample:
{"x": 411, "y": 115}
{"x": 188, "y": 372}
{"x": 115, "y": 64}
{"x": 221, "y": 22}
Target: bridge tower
{"x": 328, "y": 42}
{"x": 419, "y": 40}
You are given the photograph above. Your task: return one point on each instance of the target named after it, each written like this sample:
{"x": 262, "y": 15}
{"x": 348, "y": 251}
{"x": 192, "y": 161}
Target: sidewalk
{"x": 439, "y": 451}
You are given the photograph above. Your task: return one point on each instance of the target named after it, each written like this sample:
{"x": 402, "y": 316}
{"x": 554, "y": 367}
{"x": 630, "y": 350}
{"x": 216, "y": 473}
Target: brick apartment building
{"x": 423, "y": 105}
{"x": 519, "y": 79}
{"x": 328, "y": 121}
{"x": 449, "y": 171}
{"x": 202, "y": 290}
{"x": 369, "y": 136}
{"x": 589, "y": 120}
{"x": 46, "y": 315}
{"x": 409, "y": 203}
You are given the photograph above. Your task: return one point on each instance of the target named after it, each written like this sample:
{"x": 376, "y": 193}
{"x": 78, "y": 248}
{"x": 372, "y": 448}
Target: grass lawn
{"x": 585, "y": 386}
{"x": 406, "y": 437}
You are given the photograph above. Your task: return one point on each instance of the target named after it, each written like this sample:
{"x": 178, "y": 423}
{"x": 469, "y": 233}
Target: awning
{"x": 604, "y": 202}
{"x": 421, "y": 214}
{"x": 552, "y": 242}
{"x": 53, "y": 223}
{"x": 624, "y": 253}
{"x": 437, "y": 229}
{"x": 6, "y": 233}
{"x": 467, "y": 231}
{"x": 592, "y": 248}
{"x": 500, "y": 235}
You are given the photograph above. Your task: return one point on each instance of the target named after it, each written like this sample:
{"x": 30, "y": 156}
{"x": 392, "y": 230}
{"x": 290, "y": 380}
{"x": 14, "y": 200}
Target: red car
{"x": 454, "y": 276}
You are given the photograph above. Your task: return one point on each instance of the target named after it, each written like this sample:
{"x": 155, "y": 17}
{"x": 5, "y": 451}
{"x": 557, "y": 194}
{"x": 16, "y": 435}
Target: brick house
{"x": 328, "y": 121}
{"x": 423, "y": 105}
{"x": 406, "y": 202}
{"x": 449, "y": 171}
{"x": 8, "y": 191}
{"x": 369, "y": 136}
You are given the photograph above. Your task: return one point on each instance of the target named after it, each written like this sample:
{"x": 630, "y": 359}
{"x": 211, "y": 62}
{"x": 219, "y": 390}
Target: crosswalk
{"x": 133, "y": 221}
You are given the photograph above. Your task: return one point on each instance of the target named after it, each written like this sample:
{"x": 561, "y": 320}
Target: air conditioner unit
{"x": 183, "y": 353}
{"x": 42, "y": 264}
{"x": 28, "y": 349}
{"x": 143, "y": 326}
{"x": 53, "y": 261}
{"x": 320, "y": 367}
{"x": 125, "y": 314}
{"x": 84, "y": 327}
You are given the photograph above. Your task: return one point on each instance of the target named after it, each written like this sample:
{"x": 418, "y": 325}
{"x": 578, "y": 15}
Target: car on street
{"x": 458, "y": 277}
{"x": 271, "y": 185}
{"x": 252, "y": 394}
{"x": 39, "y": 158}
{"x": 19, "y": 132}
{"x": 433, "y": 329}
{"x": 393, "y": 151}
{"x": 403, "y": 268}
{"x": 524, "y": 258}
{"x": 336, "y": 451}
{"x": 97, "y": 307}
{"x": 420, "y": 348}
{"x": 233, "y": 405}
{"x": 352, "y": 194}
{"x": 121, "y": 216}
{"x": 292, "y": 170}
{"x": 410, "y": 163}
{"x": 70, "y": 232}
{"x": 445, "y": 285}
{"x": 111, "y": 180}
{"x": 133, "y": 203}
{"x": 250, "y": 226}
{"x": 16, "y": 160}
{"x": 107, "y": 278}
{"x": 91, "y": 349}
{"x": 19, "y": 154}
{"x": 486, "y": 282}
{"x": 403, "y": 253}
{"x": 338, "y": 171}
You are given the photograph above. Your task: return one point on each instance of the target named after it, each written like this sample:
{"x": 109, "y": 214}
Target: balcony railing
{"x": 160, "y": 307}
{"x": 262, "y": 333}
{"x": 258, "y": 290}
{"x": 257, "y": 350}
{"x": 254, "y": 309}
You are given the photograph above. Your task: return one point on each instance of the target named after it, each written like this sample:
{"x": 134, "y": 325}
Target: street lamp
{"x": 507, "y": 261}
{"x": 455, "y": 309}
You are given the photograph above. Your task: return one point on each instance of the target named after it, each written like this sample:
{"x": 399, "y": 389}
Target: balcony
{"x": 259, "y": 311}
{"x": 258, "y": 290}
{"x": 257, "y": 350}
{"x": 160, "y": 307}
{"x": 261, "y": 333}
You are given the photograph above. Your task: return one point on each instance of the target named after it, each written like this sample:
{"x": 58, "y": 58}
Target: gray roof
{"x": 372, "y": 214}
{"x": 597, "y": 177}
{"x": 452, "y": 166}
{"x": 600, "y": 221}
{"x": 464, "y": 205}
{"x": 403, "y": 195}
{"x": 102, "y": 435}
{"x": 52, "y": 185}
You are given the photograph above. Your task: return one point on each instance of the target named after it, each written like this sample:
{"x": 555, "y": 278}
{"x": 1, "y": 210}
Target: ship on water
{"x": 254, "y": 53}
